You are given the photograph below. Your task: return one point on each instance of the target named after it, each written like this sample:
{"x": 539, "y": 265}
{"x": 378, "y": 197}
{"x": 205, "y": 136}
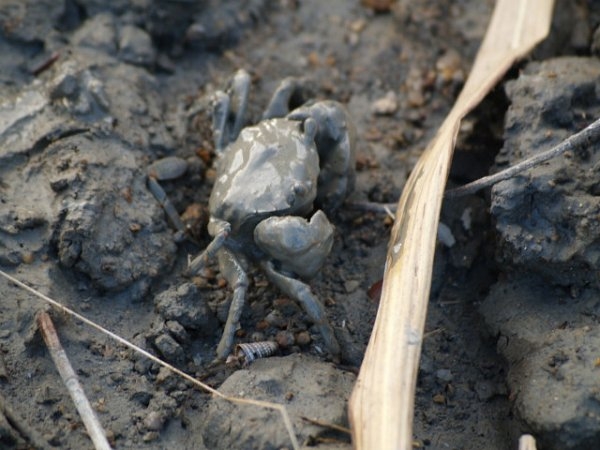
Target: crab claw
{"x": 301, "y": 246}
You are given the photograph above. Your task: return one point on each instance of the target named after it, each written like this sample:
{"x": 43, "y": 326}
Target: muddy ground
{"x": 93, "y": 93}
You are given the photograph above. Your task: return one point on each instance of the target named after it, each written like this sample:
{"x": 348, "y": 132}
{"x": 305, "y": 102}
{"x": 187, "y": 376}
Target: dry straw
{"x": 382, "y": 403}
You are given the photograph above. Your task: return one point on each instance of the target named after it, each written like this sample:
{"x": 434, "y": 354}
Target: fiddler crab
{"x": 274, "y": 180}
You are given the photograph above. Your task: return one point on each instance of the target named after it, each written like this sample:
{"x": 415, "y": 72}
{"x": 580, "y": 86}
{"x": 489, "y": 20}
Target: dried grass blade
{"x": 382, "y": 403}
{"x": 527, "y": 442}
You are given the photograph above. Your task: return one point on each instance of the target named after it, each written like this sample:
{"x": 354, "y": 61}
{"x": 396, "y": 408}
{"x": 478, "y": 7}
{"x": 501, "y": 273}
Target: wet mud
{"x": 93, "y": 93}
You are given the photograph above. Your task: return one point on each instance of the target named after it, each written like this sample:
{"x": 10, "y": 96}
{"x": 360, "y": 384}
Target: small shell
{"x": 248, "y": 352}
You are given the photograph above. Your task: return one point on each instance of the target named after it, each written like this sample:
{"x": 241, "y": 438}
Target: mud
{"x": 93, "y": 93}
{"x": 544, "y": 312}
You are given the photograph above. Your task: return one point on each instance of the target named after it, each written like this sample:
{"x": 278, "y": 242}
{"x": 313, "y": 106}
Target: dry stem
{"x": 584, "y": 138}
{"x": 527, "y": 442}
{"x": 59, "y": 356}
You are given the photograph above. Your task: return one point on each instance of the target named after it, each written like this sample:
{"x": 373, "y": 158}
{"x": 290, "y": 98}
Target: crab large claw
{"x": 299, "y": 245}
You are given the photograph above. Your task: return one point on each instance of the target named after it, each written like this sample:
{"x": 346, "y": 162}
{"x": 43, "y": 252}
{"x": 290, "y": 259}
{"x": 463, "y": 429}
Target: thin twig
{"x": 238, "y": 400}
{"x": 61, "y": 361}
{"x": 381, "y": 208}
{"x": 584, "y": 138}
{"x": 331, "y": 426}
{"x": 527, "y": 442}
{"x": 24, "y": 430}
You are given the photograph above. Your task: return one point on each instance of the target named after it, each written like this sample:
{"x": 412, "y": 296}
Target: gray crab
{"x": 273, "y": 181}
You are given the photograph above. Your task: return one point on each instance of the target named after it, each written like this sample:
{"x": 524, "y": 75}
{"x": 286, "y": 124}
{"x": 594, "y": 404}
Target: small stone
{"x": 485, "y": 390}
{"x": 444, "y": 375}
{"x": 167, "y": 379}
{"x": 142, "y": 397}
{"x": 386, "y": 105}
{"x": 97, "y": 32}
{"x": 285, "y": 339}
{"x": 177, "y": 331}
{"x": 448, "y": 67}
{"x": 142, "y": 366}
{"x": 257, "y": 336}
{"x": 303, "y": 338}
{"x": 154, "y": 421}
{"x": 286, "y": 306}
{"x": 445, "y": 236}
{"x": 275, "y": 319}
{"x": 185, "y": 305}
{"x": 135, "y": 46}
{"x": 440, "y": 399}
{"x": 46, "y": 394}
{"x": 351, "y": 285}
{"x": 262, "y": 325}
{"x": 150, "y": 436}
{"x": 65, "y": 87}
{"x": 169, "y": 348}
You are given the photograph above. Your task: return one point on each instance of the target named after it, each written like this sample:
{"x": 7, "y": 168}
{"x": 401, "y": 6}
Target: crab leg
{"x": 168, "y": 168}
{"x": 229, "y": 110}
{"x": 240, "y": 85}
{"x": 198, "y": 263}
{"x": 301, "y": 292}
{"x": 279, "y": 106}
{"x": 163, "y": 199}
{"x": 234, "y": 273}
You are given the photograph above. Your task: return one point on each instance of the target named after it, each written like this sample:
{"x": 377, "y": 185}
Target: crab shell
{"x": 271, "y": 169}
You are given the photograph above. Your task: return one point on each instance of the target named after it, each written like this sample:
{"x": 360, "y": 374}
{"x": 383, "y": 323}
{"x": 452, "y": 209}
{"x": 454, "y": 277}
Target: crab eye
{"x": 299, "y": 189}
{"x": 291, "y": 198}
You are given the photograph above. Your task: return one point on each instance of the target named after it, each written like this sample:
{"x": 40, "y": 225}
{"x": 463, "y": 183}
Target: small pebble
{"x": 150, "y": 436}
{"x": 169, "y": 348}
{"x": 449, "y": 68}
{"x": 257, "y": 336}
{"x": 351, "y": 285}
{"x": 445, "y": 235}
{"x": 135, "y": 46}
{"x": 485, "y": 390}
{"x": 286, "y": 306}
{"x": 275, "y": 319}
{"x": 444, "y": 375}
{"x": 177, "y": 331}
{"x": 303, "y": 338}
{"x": 97, "y": 32}
{"x": 154, "y": 421}
{"x": 164, "y": 374}
{"x": 285, "y": 339}
{"x": 386, "y": 105}
{"x": 440, "y": 399}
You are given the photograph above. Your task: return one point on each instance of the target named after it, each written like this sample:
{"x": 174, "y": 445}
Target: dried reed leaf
{"x": 382, "y": 403}
{"x": 527, "y": 442}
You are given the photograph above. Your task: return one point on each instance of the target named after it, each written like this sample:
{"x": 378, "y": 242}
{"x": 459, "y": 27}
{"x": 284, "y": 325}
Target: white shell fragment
{"x": 445, "y": 236}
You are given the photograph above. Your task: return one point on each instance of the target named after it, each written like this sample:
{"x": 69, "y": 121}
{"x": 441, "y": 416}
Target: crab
{"x": 274, "y": 181}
